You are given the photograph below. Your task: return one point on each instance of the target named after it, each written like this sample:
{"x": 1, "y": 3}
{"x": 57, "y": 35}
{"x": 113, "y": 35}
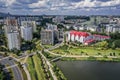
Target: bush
{"x": 91, "y": 58}
{"x": 105, "y": 56}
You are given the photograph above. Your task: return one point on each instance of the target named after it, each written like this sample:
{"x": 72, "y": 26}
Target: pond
{"x": 90, "y": 70}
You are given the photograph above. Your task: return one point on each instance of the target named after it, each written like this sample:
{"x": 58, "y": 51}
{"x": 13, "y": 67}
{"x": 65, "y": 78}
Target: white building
{"x": 79, "y": 36}
{"x": 58, "y": 19}
{"x": 85, "y": 37}
{"x": 30, "y": 24}
{"x": 112, "y": 28}
{"x": 13, "y": 40}
{"x": 92, "y": 28}
{"x": 51, "y": 26}
{"x": 26, "y": 33}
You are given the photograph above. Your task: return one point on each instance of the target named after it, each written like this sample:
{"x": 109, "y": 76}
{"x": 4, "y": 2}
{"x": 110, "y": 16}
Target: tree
{"x": 114, "y": 54}
{"x": 6, "y": 54}
{"x": 2, "y": 76}
{"x": 116, "y": 44}
{"x": 17, "y": 52}
{"x": 115, "y": 35}
{"x": 36, "y": 35}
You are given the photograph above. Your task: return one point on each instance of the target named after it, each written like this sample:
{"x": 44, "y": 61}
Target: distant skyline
{"x": 61, "y": 7}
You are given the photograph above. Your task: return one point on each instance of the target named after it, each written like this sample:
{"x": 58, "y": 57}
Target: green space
{"x": 90, "y": 51}
{"x": 3, "y": 74}
{"x": 22, "y": 70}
{"x": 47, "y": 46}
{"x": 58, "y": 72}
{"x": 35, "y": 68}
{"x": 39, "y": 70}
{"x": 91, "y": 58}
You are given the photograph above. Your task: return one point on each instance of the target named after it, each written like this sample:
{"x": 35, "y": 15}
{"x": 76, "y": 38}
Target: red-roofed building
{"x": 79, "y": 36}
{"x": 100, "y": 37}
{"x": 88, "y": 42}
{"x": 85, "y": 37}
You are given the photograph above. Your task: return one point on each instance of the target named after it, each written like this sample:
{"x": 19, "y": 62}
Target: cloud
{"x": 111, "y": 3}
{"x": 95, "y": 3}
{"x": 59, "y": 6}
{"x": 7, "y": 2}
{"x": 41, "y": 3}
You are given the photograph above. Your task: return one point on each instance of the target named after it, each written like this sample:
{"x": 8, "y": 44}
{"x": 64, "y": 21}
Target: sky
{"x": 61, "y": 7}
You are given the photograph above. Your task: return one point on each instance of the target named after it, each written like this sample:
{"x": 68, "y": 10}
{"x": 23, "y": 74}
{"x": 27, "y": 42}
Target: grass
{"x": 23, "y": 72}
{"x": 91, "y": 51}
{"x": 47, "y": 46}
{"x": 35, "y": 68}
{"x": 11, "y": 74}
{"x": 38, "y": 68}
{"x": 31, "y": 68}
{"x": 91, "y": 59}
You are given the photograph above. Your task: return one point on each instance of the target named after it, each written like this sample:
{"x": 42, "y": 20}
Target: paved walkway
{"x": 50, "y": 67}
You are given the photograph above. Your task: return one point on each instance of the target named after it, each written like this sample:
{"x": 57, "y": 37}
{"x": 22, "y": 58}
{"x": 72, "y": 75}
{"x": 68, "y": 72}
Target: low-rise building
{"x": 79, "y": 36}
{"x": 92, "y": 28}
{"x": 85, "y": 37}
{"x": 100, "y": 37}
{"x": 112, "y": 28}
{"x": 58, "y": 19}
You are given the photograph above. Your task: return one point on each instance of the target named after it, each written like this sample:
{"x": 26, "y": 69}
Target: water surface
{"x": 90, "y": 70}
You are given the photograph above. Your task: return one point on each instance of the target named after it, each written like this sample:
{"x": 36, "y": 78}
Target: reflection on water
{"x": 87, "y": 70}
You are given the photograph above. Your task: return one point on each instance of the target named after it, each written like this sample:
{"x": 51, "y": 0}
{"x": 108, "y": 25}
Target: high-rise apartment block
{"x": 12, "y": 33}
{"x": 26, "y": 33}
{"x": 50, "y": 35}
{"x": 47, "y": 37}
{"x": 13, "y": 40}
{"x": 29, "y": 24}
{"x": 10, "y": 24}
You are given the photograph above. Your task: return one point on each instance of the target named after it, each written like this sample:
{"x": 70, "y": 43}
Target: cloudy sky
{"x": 61, "y": 7}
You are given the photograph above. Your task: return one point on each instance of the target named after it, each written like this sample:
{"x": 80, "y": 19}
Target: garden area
{"x": 86, "y": 50}
{"x": 35, "y": 68}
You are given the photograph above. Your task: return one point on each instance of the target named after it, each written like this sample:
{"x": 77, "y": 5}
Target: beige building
{"x": 47, "y": 37}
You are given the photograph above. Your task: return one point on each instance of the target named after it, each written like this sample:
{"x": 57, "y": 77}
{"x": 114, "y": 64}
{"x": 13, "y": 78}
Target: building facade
{"x": 47, "y": 37}
{"x": 13, "y": 40}
{"x": 85, "y": 37}
{"x": 79, "y": 36}
{"x": 50, "y": 35}
{"x": 26, "y": 33}
{"x": 30, "y": 24}
{"x": 112, "y": 28}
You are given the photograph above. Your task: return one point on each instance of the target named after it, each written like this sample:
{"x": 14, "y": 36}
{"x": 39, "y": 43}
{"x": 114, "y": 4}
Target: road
{"x": 27, "y": 72}
{"x": 16, "y": 71}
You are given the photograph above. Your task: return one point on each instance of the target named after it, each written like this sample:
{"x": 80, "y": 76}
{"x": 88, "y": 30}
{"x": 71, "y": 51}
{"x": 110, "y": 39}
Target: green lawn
{"x": 38, "y": 68}
{"x": 47, "y": 46}
{"x": 35, "y": 68}
{"x": 85, "y": 51}
{"x": 31, "y": 68}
